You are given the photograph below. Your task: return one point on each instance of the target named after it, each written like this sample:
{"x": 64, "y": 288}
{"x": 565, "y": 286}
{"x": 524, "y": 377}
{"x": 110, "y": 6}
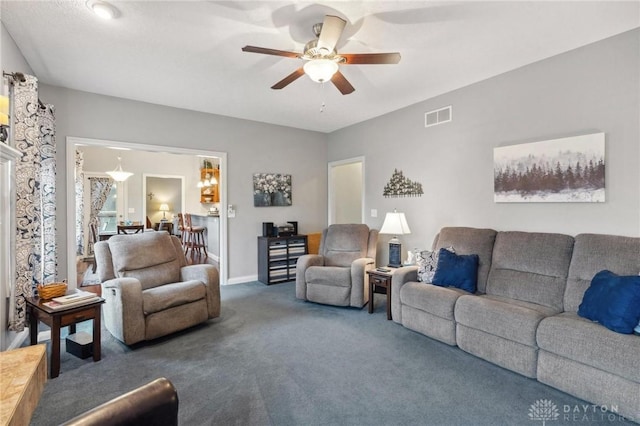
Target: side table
{"x": 382, "y": 279}
{"x": 58, "y": 318}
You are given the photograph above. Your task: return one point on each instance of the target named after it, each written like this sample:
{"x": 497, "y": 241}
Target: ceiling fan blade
{"x": 371, "y": 58}
{"x": 332, "y": 28}
{"x": 342, "y": 83}
{"x": 264, "y": 50}
{"x": 289, "y": 79}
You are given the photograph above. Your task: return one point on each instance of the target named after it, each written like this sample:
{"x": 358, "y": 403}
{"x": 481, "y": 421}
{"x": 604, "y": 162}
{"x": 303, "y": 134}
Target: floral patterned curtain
{"x": 33, "y": 134}
{"x": 99, "y": 191}
{"x": 79, "y": 185}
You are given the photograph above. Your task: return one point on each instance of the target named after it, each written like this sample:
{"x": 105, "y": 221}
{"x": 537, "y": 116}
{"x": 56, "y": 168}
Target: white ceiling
{"x": 187, "y": 54}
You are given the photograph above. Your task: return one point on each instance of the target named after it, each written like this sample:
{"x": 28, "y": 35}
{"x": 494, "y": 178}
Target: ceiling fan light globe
{"x": 320, "y": 70}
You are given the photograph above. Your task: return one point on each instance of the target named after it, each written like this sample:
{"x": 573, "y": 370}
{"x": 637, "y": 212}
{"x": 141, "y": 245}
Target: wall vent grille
{"x": 438, "y": 116}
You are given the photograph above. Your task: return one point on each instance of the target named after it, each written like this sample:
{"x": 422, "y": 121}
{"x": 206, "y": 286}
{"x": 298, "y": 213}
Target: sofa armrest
{"x": 401, "y": 276}
{"x": 208, "y": 275}
{"x": 303, "y": 263}
{"x": 359, "y": 288}
{"x": 153, "y": 403}
{"x": 123, "y": 297}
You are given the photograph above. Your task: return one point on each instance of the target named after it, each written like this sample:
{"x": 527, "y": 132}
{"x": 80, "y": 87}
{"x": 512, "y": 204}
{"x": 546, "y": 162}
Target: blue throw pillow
{"x": 613, "y": 301}
{"x": 456, "y": 270}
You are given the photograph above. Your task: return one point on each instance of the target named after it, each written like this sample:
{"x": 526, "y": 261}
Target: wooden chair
{"x": 181, "y": 227}
{"x": 194, "y": 239}
{"x": 130, "y": 229}
{"x": 93, "y": 235}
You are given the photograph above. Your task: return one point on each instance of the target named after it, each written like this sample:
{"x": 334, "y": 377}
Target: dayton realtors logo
{"x": 543, "y": 410}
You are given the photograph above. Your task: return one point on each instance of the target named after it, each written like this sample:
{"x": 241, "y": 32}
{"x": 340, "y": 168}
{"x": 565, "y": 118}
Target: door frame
{"x": 72, "y": 142}
{"x": 330, "y": 189}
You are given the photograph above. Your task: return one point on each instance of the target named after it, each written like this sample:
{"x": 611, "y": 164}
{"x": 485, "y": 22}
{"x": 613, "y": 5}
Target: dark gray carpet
{"x": 273, "y": 360}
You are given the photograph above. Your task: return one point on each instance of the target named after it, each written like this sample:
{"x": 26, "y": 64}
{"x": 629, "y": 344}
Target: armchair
{"x": 337, "y": 274}
{"x": 149, "y": 289}
{"x": 155, "y": 403}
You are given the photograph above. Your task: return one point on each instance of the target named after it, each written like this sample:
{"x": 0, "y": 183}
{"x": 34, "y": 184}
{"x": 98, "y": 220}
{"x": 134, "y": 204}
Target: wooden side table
{"x": 380, "y": 279}
{"x": 58, "y": 318}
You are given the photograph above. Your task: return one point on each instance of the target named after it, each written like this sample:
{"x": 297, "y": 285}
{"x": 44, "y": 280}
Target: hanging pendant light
{"x": 118, "y": 174}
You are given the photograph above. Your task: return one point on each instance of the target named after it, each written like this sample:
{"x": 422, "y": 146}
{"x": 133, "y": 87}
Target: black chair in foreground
{"x": 155, "y": 403}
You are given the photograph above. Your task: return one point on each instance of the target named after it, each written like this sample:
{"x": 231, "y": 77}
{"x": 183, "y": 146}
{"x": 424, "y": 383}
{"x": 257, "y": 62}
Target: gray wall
{"x": 594, "y": 88}
{"x": 250, "y": 147}
{"x": 11, "y": 59}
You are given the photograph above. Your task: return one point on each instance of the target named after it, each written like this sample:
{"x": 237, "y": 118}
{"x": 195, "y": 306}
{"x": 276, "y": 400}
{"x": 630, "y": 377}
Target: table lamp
{"x": 164, "y": 208}
{"x": 396, "y": 224}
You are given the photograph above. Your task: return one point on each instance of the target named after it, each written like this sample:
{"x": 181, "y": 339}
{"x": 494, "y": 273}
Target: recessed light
{"x": 102, "y": 9}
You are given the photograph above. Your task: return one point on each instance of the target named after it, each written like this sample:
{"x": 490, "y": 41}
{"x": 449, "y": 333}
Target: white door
{"x": 346, "y": 191}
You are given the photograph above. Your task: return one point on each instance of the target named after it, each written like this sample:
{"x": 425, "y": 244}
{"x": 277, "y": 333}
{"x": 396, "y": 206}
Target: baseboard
{"x": 43, "y": 336}
{"x": 241, "y": 280}
{"x": 18, "y": 339}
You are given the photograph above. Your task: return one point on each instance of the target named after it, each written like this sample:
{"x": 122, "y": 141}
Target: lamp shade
{"x": 4, "y": 119}
{"x": 320, "y": 70}
{"x": 164, "y": 207}
{"x": 395, "y": 223}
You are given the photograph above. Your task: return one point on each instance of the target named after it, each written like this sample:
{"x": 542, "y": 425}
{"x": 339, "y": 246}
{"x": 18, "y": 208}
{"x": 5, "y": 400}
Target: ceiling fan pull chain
{"x": 322, "y": 105}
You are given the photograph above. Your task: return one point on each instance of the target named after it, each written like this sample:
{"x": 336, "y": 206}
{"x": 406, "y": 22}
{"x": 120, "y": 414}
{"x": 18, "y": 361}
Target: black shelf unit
{"x": 277, "y": 257}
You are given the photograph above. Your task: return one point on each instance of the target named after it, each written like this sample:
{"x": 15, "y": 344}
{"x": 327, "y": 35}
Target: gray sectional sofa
{"x": 523, "y": 316}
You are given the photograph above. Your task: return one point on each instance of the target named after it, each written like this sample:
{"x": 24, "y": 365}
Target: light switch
{"x": 374, "y": 212}
{"x": 231, "y": 211}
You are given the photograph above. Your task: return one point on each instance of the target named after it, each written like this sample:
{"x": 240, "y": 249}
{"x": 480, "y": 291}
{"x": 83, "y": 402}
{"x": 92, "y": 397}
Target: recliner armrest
{"x": 400, "y": 277}
{"x": 303, "y": 263}
{"x": 123, "y": 310}
{"x": 208, "y": 275}
{"x": 152, "y": 404}
{"x": 359, "y": 289}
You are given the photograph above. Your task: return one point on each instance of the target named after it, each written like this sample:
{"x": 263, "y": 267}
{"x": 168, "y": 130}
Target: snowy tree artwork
{"x": 559, "y": 170}
{"x": 401, "y": 186}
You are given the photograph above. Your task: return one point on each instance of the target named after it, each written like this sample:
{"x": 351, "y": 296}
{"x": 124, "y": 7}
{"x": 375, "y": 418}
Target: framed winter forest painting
{"x": 559, "y": 170}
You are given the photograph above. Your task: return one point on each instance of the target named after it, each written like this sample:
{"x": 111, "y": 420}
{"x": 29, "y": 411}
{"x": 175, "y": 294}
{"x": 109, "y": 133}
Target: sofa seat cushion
{"x": 590, "y": 343}
{"x": 167, "y": 296}
{"x": 335, "y": 276}
{"x": 507, "y": 318}
{"x": 435, "y": 300}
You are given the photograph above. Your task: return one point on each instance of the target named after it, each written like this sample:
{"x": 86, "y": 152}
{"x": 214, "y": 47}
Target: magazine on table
{"x": 74, "y": 299}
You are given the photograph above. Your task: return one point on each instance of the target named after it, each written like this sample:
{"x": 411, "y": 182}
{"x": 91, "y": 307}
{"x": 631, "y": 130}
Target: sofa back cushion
{"x": 467, "y": 241}
{"x": 593, "y": 253}
{"x": 150, "y": 257}
{"x": 531, "y": 267}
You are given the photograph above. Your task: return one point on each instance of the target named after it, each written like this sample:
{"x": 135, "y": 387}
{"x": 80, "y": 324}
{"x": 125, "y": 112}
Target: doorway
{"x": 162, "y": 201}
{"x": 346, "y": 191}
{"x": 133, "y": 203}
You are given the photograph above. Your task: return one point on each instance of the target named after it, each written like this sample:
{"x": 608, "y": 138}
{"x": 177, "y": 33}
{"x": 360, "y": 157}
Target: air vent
{"x": 438, "y": 116}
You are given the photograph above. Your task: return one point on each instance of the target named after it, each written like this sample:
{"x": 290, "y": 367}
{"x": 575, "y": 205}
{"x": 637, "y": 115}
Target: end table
{"x": 56, "y": 319}
{"x": 378, "y": 278}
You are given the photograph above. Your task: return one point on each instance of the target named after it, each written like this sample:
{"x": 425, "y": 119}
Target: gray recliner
{"x": 149, "y": 289}
{"x": 337, "y": 275}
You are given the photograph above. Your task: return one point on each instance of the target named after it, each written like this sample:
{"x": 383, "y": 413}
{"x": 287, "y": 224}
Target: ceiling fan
{"x": 321, "y": 58}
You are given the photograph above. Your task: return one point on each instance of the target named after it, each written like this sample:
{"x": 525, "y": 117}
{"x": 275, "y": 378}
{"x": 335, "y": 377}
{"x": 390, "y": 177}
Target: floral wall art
{"x": 560, "y": 170}
{"x": 271, "y": 189}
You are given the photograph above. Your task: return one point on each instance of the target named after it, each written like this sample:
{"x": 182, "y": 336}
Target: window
{"x": 107, "y": 217}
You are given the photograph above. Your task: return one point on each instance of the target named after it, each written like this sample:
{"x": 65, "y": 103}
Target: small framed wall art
{"x": 271, "y": 189}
